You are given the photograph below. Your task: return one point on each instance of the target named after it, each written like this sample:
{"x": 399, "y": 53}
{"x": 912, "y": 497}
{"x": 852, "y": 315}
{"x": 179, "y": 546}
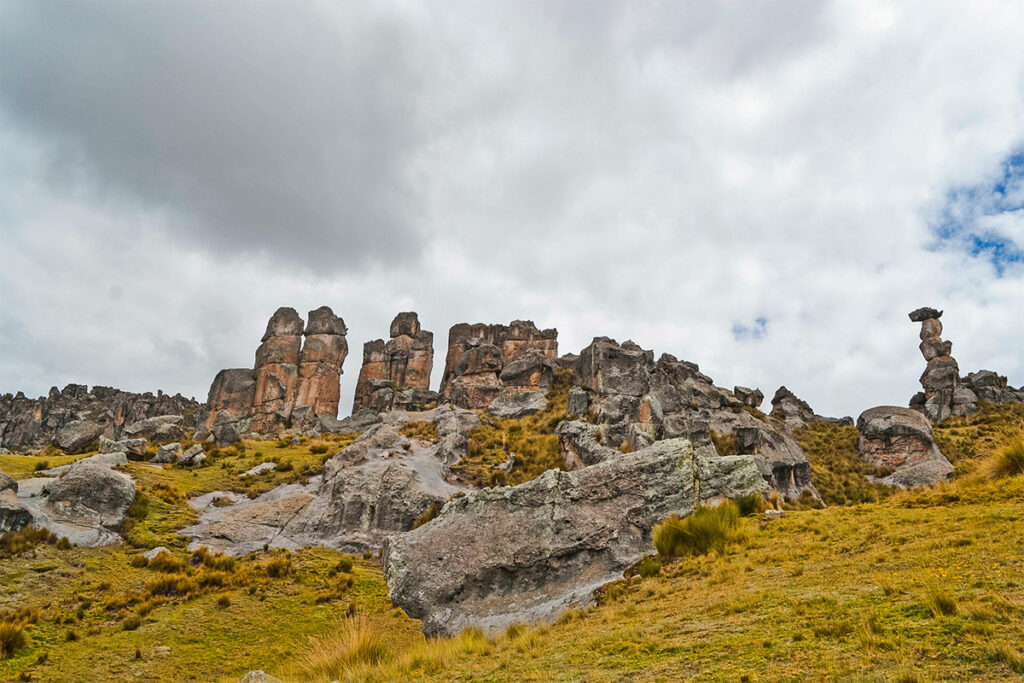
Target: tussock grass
{"x": 426, "y": 431}
{"x": 23, "y": 540}
{"x": 707, "y": 529}
{"x": 940, "y": 602}
{"x": 1006, "y": 461}
{"x": 430, "y": 513}
{"x": 12, "y": 637}
{"x": 837, "y": 470}
{"x": 356, "y": 642}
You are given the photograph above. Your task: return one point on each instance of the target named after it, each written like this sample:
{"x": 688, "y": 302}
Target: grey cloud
{"x": 256, "y": 127}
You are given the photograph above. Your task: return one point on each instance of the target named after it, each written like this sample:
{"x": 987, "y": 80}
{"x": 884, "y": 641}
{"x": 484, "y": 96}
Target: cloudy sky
{"x": 764, "y": 188}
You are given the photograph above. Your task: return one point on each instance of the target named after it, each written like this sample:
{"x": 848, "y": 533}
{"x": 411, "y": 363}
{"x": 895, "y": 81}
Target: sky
{"x": 765, "y": 189}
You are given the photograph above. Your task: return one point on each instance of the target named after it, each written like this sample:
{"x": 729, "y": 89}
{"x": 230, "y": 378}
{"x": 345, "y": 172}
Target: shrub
{"x": 750, "y": 504}
{"x": 514, "y": 631}
{"x": 648, "y": 567}
{"x": 708, "y": 528}
{"x": 138, "y": 560}
{"x": 131, "y": 623}
{"x": 344, "y": 564}
{"x": 222, "y": 502}
{"x": 428, "y": 514}
{"x": 17, "y": 542}
{"x": 166, "y": 563}
{"x": 355, "y": 642}
{"x": 41, "y": 465}
{"x": 224, "y": 601}
{"x": 12, "y": 637}
{"x": 318, "y": 449}
{"x": 171, "y": 585}
{"x": 278, "y": 566}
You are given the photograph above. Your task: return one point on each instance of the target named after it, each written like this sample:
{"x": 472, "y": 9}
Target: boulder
{"x": 77, "y": 436}
{"x": 135, "y": 449}
{"x": 751, "y": 398}
{"x": 259, "y": 676}
{"x": 193, "y": 457}
{"x": 7, "y": 482}
{"x": 167, "y": 453}
{"x": 395, "y": 375}
{"x": 160, "y": 428}
{"x": 233, "y": 390}
{"x": 90, "y": 494}
{"x": 515, "y": 403}
{"x": 562, "y": 535}
{"x": 901, "y": 439}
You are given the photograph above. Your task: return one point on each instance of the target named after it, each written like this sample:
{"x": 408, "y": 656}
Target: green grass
{"x": 530, "y": 438}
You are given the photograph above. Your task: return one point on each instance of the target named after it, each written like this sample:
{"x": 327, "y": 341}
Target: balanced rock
{"x": 167, "y": 453}
{"x": 901, "y": 439}
{"x": 193, "y": 457}
{"x": 396, "y": 374}
{"x": 943, "y": 394}
{"x": 562, "y": 535}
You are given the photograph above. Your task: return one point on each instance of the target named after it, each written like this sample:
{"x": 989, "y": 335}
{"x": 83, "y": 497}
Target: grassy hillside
{"x": 911, "y": 586}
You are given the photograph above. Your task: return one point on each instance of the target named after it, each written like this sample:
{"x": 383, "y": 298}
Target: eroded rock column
{"x": 943, "y": 395}
{"x": 320, "y": 363}
{"x": 396, "y": 374}
{"x": 277, "y": 371}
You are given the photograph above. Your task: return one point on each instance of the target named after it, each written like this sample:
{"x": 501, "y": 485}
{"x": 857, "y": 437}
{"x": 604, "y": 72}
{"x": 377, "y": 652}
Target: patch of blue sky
{"x": 758, "y": 330}
{"x": 986, "y": 220}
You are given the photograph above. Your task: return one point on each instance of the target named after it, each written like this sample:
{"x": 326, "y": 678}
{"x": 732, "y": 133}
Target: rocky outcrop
{"x": 993, "y": 387}
{"x": 29, "y": 424}
{"x": 900, "y": 439}
{"x": 77, "y": 436}
{"x": 797, "y": 413}
{"x": 636, "y": 401}
{"x": 88, "y": 503}
{"x": 291, "y": 381}
{"x": 376, "y": 486}
{"x": 483, "y": 360}
{"x": 943, "y": 394}
{"x": 396, "y": 374}
{"x": 562, "y": 535}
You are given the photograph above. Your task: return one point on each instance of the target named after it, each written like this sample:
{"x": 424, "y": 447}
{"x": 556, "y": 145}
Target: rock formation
{"x": 396, "y": 373}
{"x": 636, "y": 401}
{"x": 376, "y": 486}
{"x": 943, "y": 394}
{"x": 901, "y": 439}
{"x": 991, "y": 386}
{"x": 75, "y": 417}
{"x": 291, "y": 381}
{"x": 88, "y": 503}
{"x": 485, "y": 362}
{"x": 797, "y": 413}
{"x": 562, "y": 535}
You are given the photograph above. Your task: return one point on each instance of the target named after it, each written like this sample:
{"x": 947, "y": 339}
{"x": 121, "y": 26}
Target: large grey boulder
{"x": 376, "y": 486}
{"x": 160, "y": 428}
{"x": 93, "y": 493}
{"x": 193, "y": 457}
{"x": 513, "y": 403}
{"x": 77, "y": 436}
{"x": 135, "y": 449}
{"x": 527, "y": 552}
{"x": 7, "y": 482}
{"x": 167, "y": 453}
{"x": 901, "y": 439}
{"x": 581, "y": 444}
{"x": 13, "y": 515}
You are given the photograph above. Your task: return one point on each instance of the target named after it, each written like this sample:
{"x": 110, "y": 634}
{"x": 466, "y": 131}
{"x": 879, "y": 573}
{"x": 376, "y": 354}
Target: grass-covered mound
{"x": 530, "y": 439}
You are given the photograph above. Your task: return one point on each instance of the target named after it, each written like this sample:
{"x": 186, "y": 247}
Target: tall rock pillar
{"x": 277, "y": 371}
{"x": 943, "y": 394}
{"x": 396, "y": 374}
{"x": 320, "y": 362}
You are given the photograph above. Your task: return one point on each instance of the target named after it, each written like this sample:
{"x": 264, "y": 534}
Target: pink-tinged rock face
{"x": 901, "y": 439}
{"x": 516, "y": 356}
{"x": 403, "y": 363}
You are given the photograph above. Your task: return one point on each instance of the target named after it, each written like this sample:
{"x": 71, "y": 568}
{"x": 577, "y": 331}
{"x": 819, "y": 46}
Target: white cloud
{"x": 653, "y": 172}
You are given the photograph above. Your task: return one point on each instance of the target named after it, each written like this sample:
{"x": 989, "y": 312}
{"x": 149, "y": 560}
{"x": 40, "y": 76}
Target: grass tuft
{"x": 355, "y": 642}
{"x": 707, "y": 529}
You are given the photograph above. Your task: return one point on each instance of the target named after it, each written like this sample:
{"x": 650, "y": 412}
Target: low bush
{"x": 166, "y": 563}
{"x": 278, "y": 567}
{"x": 708, "y": 528}
{"x": 318, "y": 449}
{"x": 648, "y": 567}
{"x": 171, "y": 585}
{"x": 1008, "y": 461}
{"x": 131, "y": 623}
{"x": 940, "y": 602}
{"x": 17, "y": 542}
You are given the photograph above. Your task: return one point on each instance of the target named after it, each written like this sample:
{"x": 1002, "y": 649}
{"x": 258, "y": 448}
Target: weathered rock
{"x": 105, "y": 459}
{"x": 359, "y": 421}
{"x": 193, "y": 457}
{"x": 7, "y": 482}
{"x": 167, "y": 453}
{"x": 277, "y": 371}
{"x": 514, "y": 403}
{"x": 475, "y": 367}
{"x": 901, "y": 439}
{"x": 320, "y": 363}
{"x": 991, "y": 386}
{"x": 396, "y": 374}
{"x": 27, "y": 424}
{"x": 943, "y": 395}
{"x": 637, "y": 401}
{"x": 259, "y": 676}
{"x": 751, "y": 398}
{"x": 77, "y": 436}
{"x": 562, "y": 535}
{"x": 160, "y": 428}
{"x": 153, "y": 552}
{"x": 581, "y": 444}
{"x": 89, "y": 503}
{"x": 135, "y": 449}
{"x": 259, "y": 469}
{"x": 233, "y": 390}
{"x": 378, "y": 485}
